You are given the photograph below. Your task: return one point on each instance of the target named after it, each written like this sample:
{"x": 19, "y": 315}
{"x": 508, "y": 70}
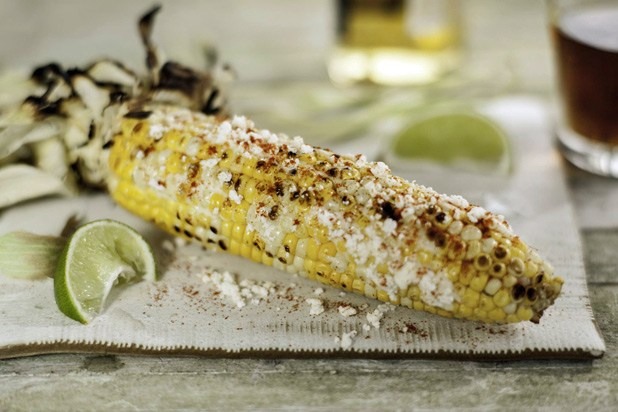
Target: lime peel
{"x": 97, "y": 257}
{"x": 465, "y": 140}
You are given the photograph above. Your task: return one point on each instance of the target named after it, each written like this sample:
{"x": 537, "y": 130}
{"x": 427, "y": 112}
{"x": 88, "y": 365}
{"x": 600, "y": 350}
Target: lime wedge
{"x": 98, "y": 256}
{"x": 464, "y": 140}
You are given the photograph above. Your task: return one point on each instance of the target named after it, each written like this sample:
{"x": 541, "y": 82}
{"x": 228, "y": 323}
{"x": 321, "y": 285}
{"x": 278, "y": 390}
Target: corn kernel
{"x": 424, "y": 257}
{"x": 502, "y": 298}
{"x": 289, "y": 243}
{"x": 358, "y": 286}
{"x": 524, "y": 313}
{"x": 383, "y": 296}
{"x": 335, "y": 278}
{"x": 471, "y": 298}
{"x": 493, "y": 286}
{"x": 256, "y": 254}
{"x": 226, "y": 229}
{"x": 512, "y": 318}
{"x": 531, "y": 269}
{"x": 486, "y": 302}
{"x": 267, "y": 260}
{"x": 313, "y": 249}
{"x": 371, "y": 292}
{"x": 327, "y": 251}
{"x": 346, "y": 281}
{"x": 216, "y": 200}
{"x": 234, "y": 247}
{"x": 496, "y": 315}
{"x": 478, "y": 283}
{"x": 465, "y": 311}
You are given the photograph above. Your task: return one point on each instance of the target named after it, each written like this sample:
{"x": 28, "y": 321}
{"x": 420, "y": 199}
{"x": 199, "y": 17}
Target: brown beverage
{"x": 586, "y": 40}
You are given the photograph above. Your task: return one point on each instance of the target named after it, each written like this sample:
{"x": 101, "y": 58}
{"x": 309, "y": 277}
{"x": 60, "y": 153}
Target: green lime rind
{"x": 98, "y": 256}
{"x": 455, "y": 138}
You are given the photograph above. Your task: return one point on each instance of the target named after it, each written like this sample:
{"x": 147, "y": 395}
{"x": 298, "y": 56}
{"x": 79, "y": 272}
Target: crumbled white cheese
{"x": 476, "y": 213}
{"x": 346, "y": 311}
{"x": 226, "y": 284}
{"x": 239, "y": 122}
{"x": 346, "y": 340}
{"x": 376, "y": 316}
{"x": 235, "y": 197}
{"x": 316, "y": 306}
{"x": 240, "y": 293}
{"x": 224, "y": 176}
{"x": 437, "y": 290}
{"x": 389, "y": 226}
{"x": 156, "y": 130}
{"x": 318, "y": 291}
{"x": 458, "y": 201}
{"x": 407, "y": 275}
{"x": 380, "y": 169}
{"x": 223, "y": 133}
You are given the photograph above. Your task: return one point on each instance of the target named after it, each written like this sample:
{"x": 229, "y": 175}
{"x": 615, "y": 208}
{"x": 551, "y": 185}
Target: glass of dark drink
{"x": 585, "y": 39}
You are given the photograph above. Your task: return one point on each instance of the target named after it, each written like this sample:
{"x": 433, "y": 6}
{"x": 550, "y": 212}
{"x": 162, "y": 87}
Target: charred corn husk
{"x": 336, "y": 219}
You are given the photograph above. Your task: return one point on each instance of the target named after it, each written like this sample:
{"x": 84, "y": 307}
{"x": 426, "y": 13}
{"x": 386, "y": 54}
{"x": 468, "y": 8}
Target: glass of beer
{"x": 585, "y": 38}
{"x": 395, "y": 42}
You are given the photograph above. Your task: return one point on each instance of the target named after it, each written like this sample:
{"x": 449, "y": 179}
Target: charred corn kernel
{"x": 482, "y": 262}
{"x": 346, "y": 281}
{"x": 289, "y": 243}
{"x": 337, "y": 219}
{"x": 335, "y": 278}
{"x": 498, "y": 270}
{"x": 501, "y": 253}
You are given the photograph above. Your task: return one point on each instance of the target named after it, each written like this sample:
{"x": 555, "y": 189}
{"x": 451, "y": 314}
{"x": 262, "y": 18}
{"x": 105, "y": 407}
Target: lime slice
{"x": 464, "y": 140}
{"x": 98, "y": 256}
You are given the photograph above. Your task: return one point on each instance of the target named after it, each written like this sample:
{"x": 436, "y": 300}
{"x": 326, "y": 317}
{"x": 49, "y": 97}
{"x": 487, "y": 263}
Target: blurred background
{"x": 265, "y": 40}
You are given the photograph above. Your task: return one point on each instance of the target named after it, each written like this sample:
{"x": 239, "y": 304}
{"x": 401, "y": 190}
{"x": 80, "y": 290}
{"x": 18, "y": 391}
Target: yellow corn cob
{"x": 336, "y": 219}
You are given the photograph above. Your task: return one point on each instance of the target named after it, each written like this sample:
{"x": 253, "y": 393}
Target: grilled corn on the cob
{"x": 337, "y": 219}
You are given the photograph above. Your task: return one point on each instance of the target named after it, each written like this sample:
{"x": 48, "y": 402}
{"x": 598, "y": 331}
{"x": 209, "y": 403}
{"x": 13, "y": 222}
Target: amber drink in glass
{"x": 585, "y": 38}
